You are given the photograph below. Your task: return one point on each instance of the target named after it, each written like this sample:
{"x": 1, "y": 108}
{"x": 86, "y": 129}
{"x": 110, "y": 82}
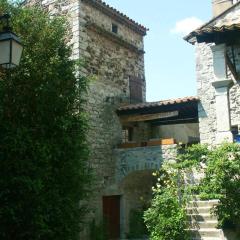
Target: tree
{"x": 43, "y": 153}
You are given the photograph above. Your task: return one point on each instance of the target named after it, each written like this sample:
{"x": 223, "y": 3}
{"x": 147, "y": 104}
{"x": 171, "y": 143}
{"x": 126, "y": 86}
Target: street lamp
{"x": 10, "y": 46}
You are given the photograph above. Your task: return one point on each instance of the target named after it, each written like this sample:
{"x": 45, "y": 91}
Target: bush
{"x": 166, "y": 218}
{"x": 43, "y": 157}
{"x": 222, "y": 181}
{"x": 98, "y": 231}
{"x": 221, "y": 165}
{"x": 137, "y": 227}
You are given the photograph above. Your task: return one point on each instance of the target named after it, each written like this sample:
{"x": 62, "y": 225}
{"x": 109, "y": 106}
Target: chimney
{"x": 219, "y": 6}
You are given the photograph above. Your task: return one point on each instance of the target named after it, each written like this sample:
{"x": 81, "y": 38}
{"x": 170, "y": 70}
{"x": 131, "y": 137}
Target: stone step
{"x": 204, "y": 217}
{"x": 207, "y": 232}
{"x": 202, "y": 225}
{"x": 201, "y": 203}
{"x": 195, "y": 210}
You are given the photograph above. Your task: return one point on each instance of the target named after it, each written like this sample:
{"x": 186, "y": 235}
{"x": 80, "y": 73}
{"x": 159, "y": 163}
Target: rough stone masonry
{"x": 111, "y": 57}
{"x": 206, "y": 77}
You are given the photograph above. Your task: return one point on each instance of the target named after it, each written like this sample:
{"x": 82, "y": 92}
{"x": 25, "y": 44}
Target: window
{"x": 114, "y": 28}
{"x": 127, "y": 134}
{"x": 235, "y": 132}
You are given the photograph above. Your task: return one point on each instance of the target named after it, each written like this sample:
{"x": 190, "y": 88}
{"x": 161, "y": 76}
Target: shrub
{"x": 43, "y": 157}
{"x": 166, "y": 218}
{"x": 137, "y": 227}
{"x": 222, "y": 181}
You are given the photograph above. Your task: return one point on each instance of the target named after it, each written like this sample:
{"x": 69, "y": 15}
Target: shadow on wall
{"x": 137, "y": 188}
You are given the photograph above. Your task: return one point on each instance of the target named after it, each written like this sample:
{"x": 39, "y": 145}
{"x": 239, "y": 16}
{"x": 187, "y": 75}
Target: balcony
{"x": 131, "y": 157}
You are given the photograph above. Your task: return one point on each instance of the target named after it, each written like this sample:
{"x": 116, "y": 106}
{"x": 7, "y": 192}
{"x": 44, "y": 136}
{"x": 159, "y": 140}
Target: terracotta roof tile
{"x": 158, "y": 104}
{"x": 213, "y": 30}
{"x": 190, "y": 37}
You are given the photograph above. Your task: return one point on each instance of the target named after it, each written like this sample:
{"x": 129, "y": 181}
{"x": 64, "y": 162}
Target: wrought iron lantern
{"x": 10, "y": 45}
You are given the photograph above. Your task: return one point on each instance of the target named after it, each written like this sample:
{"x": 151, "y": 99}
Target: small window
{"x": 127, "y": 135}
{"x": 114, "y": 28}
{"x": 235, "y": 132}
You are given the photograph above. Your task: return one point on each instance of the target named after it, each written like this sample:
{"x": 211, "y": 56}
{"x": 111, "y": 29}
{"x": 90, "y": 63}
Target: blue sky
{"x": 169, "y": 60}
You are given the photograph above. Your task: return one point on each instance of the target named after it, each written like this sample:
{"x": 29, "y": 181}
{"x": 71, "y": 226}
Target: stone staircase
{"x": 202, "y": 224}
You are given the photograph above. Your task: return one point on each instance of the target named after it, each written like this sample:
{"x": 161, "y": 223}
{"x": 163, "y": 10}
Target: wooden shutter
{"x": 136, "y": 89}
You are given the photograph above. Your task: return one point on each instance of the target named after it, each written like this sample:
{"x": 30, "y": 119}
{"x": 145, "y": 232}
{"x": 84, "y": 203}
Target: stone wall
{"x": 182, "y": 133}
{"x": 206, "y": 93}
{"x": 143, "y": 158}
{"x": 110, "y": 59}
{"x": 205, "y": 77}
{"x": 110, "y": 64}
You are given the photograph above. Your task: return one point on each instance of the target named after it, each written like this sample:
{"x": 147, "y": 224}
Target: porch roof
{"x": 172, "y": 111}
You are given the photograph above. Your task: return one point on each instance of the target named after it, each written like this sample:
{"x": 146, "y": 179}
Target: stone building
{"x": 128, "y": 138}
{"x": 218, "y": 65}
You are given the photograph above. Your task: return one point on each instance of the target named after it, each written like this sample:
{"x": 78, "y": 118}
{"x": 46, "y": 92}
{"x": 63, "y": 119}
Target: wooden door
{"x": 111, "y": 215}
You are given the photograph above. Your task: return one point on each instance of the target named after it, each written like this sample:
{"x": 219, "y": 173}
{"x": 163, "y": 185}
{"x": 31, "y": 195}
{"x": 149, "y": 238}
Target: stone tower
{"x": 111, "y": 45}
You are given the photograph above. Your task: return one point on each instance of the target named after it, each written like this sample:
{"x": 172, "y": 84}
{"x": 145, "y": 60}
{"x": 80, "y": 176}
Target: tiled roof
{"x": 158, "y": 104}
{"x": 119, "y": 15}
{"x": 214, "y": 30}
{"x": 191, "y": 37}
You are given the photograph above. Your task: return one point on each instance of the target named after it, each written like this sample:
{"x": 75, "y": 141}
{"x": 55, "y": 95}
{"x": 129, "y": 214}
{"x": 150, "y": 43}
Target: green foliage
{"x": 44, "y": 173}
{"x": 137, "y": 227}
{"x": 98, "y": 231}
{"x": 192, "y": 156}
{"x": 221, "y": 165}
{"x": 166, "y": 218}
{"x": 222, "y": 181}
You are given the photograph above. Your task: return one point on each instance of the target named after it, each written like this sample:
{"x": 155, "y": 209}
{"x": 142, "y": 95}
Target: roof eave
{"x": 154, "y": 105}
{"x": 190, "y": 37}
{"x": 99, "y": 4}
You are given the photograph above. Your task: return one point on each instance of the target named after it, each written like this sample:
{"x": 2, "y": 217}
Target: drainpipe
{"x": 221, "y": 83}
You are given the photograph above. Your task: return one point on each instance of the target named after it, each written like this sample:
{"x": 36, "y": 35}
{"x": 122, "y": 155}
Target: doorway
{"x": 111, "y": 216}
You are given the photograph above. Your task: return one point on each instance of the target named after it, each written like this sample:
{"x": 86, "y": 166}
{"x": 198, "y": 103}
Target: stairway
{"x": 202, "y": 224}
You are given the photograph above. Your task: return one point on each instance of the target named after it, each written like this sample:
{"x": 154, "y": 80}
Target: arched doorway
{"x": 137, "y": 194}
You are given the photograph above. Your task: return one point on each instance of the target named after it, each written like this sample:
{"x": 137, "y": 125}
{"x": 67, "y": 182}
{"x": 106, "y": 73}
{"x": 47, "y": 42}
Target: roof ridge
{"x": 117, "y": 13}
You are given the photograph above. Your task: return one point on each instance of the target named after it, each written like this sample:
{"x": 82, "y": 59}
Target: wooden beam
{"x": 175, "y": 121}
{"x": 169, "y": 141}
{"x": 157, "y": 142}
{"x": 232, "y": 67}
{"x": 148, "y": 117}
